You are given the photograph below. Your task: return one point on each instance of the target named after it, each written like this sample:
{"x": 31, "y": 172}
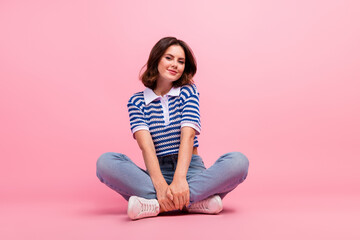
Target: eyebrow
{"x": 173, "y": 56}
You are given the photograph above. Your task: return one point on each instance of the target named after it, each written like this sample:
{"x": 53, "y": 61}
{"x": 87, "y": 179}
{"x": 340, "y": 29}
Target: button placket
{"x": 165, "y": 106}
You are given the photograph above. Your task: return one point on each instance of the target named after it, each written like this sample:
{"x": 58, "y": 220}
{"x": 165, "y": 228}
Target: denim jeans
{"x": 118, "y": 172}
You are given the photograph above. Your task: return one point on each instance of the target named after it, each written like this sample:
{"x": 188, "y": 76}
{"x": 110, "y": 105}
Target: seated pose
{"x": 165, "y": 121}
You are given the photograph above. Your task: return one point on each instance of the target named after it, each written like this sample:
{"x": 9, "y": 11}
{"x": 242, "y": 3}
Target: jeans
{"x": 118, "y": 172}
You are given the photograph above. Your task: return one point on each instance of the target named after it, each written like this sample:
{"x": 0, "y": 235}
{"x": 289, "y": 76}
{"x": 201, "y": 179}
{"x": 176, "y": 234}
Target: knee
{"x": 239, "y": 164}
{"x": 109, "y": 159}
{"x": 103, "y": 159}
{"x": 104, "y": 163}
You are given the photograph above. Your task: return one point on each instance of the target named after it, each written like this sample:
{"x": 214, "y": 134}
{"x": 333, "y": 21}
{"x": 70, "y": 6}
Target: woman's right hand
{"x": 165, "y": 198}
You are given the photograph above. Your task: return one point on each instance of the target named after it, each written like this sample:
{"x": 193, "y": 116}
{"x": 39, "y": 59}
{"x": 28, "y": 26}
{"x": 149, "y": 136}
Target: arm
{"x": 190, "y": 126}
{"x": 140, "y": 130}
{"x": 185, "y": 152}
{"x": 147, "y": 147}
{"x": 179, "y": 187}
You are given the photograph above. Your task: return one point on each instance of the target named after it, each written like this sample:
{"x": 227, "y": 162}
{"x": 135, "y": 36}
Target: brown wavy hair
{"x": 150, "y": 75}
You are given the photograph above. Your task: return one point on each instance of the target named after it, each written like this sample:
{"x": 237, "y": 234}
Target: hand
{"x": 180, "y": 192}
{"x": 165, "y": 197}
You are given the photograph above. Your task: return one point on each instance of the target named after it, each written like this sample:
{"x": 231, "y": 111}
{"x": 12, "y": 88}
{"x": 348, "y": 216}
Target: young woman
{"x": 165, "y": 121}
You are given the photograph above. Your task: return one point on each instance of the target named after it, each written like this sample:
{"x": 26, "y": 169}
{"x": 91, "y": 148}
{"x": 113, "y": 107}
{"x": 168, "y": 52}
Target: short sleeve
{"x": 190, "y": 114}
{"x": 137, "y": 119}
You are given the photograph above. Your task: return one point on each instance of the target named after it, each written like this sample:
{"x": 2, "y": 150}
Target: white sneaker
{"x": 140, "y": 207}
{"x": 211, "y": 205}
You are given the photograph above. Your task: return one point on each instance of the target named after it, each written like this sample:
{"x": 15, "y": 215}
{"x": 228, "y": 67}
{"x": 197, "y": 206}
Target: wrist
{"x": 179, "y": 177}
{"x": 159, "y": 183}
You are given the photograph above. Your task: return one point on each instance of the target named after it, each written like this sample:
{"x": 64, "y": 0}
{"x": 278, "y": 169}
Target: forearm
{"x": 153, "y": 167}
{"x": 185, "y": 154}
{"x": 147, "y": 147}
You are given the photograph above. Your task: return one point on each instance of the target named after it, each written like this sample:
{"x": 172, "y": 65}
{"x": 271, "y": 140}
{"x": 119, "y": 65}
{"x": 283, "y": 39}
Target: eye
{"x": 168, "y": 58}
{"x": 181, "y": 62}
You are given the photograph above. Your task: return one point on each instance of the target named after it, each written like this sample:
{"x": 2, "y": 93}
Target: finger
{"x": 187, "y": 199}
{"x": 171, "y": 204}
{"x": 181, "y": 202}
{"x": 166, "y": 206}
{"x": 161, "y": 203}
{"x": 184, "y": 199}
{"x": 169, "y": 194}
{"x": 176, "y": 202}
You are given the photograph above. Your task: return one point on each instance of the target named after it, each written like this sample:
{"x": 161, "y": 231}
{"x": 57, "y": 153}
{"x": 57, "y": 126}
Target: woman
{"x": 165, "y": 121}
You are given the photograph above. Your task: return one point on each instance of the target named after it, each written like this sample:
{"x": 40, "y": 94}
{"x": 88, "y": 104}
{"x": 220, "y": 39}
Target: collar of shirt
{"x": 150, "y": 96}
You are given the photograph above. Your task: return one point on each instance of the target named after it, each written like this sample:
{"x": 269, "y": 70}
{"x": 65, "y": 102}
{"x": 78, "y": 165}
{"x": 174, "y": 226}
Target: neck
{"x": 162, "y": 88}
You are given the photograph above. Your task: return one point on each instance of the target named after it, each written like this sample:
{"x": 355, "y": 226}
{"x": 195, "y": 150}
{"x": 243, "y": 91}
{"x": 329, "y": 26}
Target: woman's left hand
{"x": 181, "y": 193}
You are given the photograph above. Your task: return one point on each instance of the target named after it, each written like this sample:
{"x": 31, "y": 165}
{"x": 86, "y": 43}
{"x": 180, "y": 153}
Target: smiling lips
{"x": 172, "y": 72}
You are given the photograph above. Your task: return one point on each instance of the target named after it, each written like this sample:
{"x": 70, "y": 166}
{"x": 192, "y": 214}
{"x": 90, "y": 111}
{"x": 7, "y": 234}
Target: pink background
{"x": 279, "y": 81}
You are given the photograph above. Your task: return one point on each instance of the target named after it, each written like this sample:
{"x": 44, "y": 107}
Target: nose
{"x": 174, "y": 64}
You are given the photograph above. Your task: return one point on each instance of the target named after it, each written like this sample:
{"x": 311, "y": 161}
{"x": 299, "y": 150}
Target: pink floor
{"x": 279, "y": 82}
{"x": 300, "y": 216}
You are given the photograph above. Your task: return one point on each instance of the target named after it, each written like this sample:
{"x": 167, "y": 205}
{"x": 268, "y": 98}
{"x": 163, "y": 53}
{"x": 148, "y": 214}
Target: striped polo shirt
{"x": 164, "y": 116}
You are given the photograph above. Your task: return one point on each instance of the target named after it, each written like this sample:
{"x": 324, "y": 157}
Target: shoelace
{"x": 199, "y": 205}
{"x": 148, "y": 209}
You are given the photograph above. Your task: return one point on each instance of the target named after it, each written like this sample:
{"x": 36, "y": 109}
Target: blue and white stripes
{"x": 183, "y": 110}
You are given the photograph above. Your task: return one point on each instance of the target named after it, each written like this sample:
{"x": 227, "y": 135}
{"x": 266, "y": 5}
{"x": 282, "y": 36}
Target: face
{"x": 172, "y": 64}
